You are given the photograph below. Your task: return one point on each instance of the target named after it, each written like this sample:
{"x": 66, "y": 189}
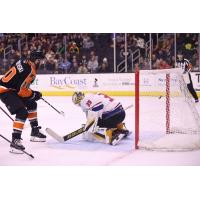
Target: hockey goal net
{"x": 166, "y": 117}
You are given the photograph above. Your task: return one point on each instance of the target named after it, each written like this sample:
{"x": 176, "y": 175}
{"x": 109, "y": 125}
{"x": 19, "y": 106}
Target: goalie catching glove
{"x": 92, "y": 119}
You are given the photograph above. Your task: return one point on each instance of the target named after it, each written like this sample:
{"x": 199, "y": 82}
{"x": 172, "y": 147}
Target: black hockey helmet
{"x": 35, "y": 54}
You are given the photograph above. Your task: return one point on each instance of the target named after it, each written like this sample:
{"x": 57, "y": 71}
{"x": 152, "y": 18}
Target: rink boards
{"x": 113, "y": 84}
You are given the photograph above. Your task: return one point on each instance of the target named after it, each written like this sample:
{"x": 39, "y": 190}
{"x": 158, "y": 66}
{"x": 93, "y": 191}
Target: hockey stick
{"x": 6, "y": 113}
{"x": 60, "y": 112}
{"x": 66, "y": 137}
{"x": 10, "y": 116}
{"x": 69, "y": 136}
{"x": 79, "y": 131}
{"x": 14, "y": 144}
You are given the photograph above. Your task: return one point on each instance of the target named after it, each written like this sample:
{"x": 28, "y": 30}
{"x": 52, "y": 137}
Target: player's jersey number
{"x": 9, "y": 75}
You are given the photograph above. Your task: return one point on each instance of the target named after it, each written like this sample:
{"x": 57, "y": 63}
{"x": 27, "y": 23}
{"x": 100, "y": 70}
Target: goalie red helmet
{"x": 77, "y": 97}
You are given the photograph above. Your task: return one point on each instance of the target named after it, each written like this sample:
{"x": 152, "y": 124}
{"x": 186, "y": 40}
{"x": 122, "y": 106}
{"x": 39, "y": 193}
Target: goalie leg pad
{"x": 93, "y": 137}
{"x": 109, "y": 135}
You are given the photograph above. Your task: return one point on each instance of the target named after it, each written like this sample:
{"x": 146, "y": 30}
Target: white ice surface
{"x": 79, "y": 152}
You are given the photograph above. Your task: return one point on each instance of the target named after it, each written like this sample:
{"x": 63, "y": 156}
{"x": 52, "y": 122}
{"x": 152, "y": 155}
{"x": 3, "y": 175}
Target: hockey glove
{"x": 36, "y": 96}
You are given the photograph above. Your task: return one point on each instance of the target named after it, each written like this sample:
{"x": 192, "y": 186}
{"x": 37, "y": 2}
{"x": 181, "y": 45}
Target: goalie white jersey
{"x": 102, "y": 112}
{"x": 100, "y": 103}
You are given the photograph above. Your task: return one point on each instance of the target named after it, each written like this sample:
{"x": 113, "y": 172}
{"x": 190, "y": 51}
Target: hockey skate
{"x": 122, "y": 128}
{"x": 115, "y": 135}
{"x": 16, "y": 146}
{"x": 36, "y": 135}
{"x": 118, "y": 135}
{"x": 126, "y": 132}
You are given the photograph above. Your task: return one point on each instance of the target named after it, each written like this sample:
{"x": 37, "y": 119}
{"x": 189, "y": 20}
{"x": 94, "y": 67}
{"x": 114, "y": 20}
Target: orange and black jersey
{"x": 19, "y": 77}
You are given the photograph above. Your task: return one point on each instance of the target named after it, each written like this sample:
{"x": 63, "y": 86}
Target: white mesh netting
{"x": 167, "y": 107}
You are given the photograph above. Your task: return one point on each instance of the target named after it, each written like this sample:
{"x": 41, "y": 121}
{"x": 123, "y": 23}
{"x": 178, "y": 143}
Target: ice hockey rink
{"x": 80, "y": 152}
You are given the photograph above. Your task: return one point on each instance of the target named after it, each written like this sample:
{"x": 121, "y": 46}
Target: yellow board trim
{"x": 111, "y": 93}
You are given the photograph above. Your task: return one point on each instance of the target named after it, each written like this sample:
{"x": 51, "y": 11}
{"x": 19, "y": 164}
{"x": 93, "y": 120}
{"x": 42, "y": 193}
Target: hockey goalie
{"x": 102, "y": 113}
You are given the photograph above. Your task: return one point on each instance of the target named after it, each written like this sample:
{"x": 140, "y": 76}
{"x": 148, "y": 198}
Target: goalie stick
{"x": 66, "y": 137}
{"x": 62, "y": 139}
{"x": 78, "y": 132}
{"x": 73, "y": 134}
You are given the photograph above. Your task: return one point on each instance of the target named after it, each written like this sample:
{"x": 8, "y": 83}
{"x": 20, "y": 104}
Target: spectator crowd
{"x": 93, "y": 52}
